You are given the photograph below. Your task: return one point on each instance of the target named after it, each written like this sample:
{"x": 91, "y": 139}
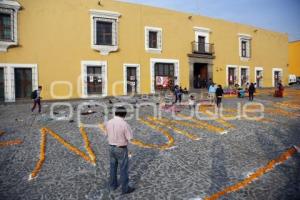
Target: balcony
{"x": 202, "y": 50}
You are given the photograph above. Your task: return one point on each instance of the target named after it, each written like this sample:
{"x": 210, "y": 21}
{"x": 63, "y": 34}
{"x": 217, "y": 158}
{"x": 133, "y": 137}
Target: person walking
{"x": 36, "y": 96}
{"x": 119, "y": 134}
{"x": 251, "y": 91}
{"x": 219, "y": 95}
{"x": 178, "y": 94}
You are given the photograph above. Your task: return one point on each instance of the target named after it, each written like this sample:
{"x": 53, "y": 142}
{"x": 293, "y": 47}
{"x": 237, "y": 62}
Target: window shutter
{"x": 159, "y": 40}
{"x": 147, "y": 38}
{"x": 248, "y": 75}
{"x": 114, "y": 33}
{"x": 248, "y": 48}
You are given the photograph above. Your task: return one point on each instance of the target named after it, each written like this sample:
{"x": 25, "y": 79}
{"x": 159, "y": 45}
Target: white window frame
{"x": 273, "y": 73}
{"x": 255, "y": 75}
{"x": 104, "y": 15}
{"x": 9, "y": 79}
{"x": 138, "y": 77}
{"x": 248, "y": 39}
{"x": 240, "y": 74}
{"x": 235, "y": 73}
{"x": 12, "y": 8}
{"x": 204, "y": 32}
{"x": 152, "y": 70}
{"x": 84, "y": 65}
{"x": 159, "y": 39}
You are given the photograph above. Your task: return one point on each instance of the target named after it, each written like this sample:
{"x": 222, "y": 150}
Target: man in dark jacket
{"x": 219, "y": 95}
{"x": 36, "y": 96}
{"x": 251, "y": 91}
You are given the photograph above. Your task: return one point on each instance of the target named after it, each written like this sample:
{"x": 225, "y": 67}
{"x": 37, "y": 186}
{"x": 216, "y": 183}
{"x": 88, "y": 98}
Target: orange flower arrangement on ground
{"x": 219, "y": 120}
{"x": 167, "y": 145}
{"x": 9, "y": 142}
{"x": 260, "y": 172}
{"x": 171, "y": 124}
{"x": 199, "y": 124}
{"x": 44, "y": 131}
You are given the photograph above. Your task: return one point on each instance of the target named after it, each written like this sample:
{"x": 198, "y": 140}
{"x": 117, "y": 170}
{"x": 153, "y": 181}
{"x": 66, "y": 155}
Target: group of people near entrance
{"x": 216, "y": 92}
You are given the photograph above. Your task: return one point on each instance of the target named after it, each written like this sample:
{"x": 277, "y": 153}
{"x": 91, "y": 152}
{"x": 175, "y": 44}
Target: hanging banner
{"x": 162, "y": 81}
{"x": 91, "y": 79}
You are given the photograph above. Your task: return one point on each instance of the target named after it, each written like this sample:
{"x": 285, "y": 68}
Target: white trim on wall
{"x": 255, "y": 75}
{"x": 273, "y": 72}
{"x": 84, "y": 65}
{"x": 9, "y": 79}
{"x": 236, "y": 72}
{"x": 204, "y": 32}
{"x": 159, "y": 39}
{"x": 104, "y": 15}
{"x": 138, "y": 77}
{"x": 12, "y": 8}
{"x": 159, "y": 60}
{"x": 248, "y": 39}
{"x": 240, "y": 74}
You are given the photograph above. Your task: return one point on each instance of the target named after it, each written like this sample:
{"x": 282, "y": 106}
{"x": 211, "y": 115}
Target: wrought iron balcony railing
{"x": 203, "y": 48}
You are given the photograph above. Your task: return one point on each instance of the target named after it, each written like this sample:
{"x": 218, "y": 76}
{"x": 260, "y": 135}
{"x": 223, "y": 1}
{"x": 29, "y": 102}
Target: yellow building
{"x": 84, "y": 49}
{"x": 294, "y": 58}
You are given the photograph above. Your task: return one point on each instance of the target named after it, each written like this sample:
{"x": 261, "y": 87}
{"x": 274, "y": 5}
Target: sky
{"x": 276, "y": 15}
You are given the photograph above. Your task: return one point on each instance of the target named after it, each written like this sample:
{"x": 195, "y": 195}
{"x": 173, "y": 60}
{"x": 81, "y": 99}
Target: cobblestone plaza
{"x": 46, "y": 156}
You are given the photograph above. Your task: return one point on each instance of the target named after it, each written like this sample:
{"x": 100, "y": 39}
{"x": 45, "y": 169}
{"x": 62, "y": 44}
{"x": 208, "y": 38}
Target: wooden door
{"x": 201, "y": 44}
{"x": 94, "y": 80}
{"x": 164, "y": 70}
{"x": 244, "y": 76}
{"x": 23, "y": 83}
{"x": 276, "y": 78}
{"x": 131, "y": 80}
{"x": 231, "y": 76}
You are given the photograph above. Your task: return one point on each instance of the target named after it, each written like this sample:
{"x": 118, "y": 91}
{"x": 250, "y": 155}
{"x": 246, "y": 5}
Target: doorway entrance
{"x": 244, "y": 76}
{"x": 1, "y": 84}
{"x": 201, "y": 44}
{"x": 277, "y": 78}
{"x": 131, "y": 80}
{"x": 200, "y": 75}
{"x": 164, "y": 75}
{"x": 94, "y": 80}
{"x": 231, "y": 76}
{"x": 259, "y": 78}
{"x": 23, "y": 83}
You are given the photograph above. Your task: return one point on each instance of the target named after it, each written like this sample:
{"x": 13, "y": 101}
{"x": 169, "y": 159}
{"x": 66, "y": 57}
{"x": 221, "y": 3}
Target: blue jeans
{"x": 36, "y": 102}
{"x": 118, "y": 156}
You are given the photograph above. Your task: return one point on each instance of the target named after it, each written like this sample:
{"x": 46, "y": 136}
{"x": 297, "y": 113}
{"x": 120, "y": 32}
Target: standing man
{"x": 178, "y": 94}
{"x": 251, "y": 91}
{"x": 119, "y": 133}
{"x": 36, "y": 96}
{"x": 219, "y": 95}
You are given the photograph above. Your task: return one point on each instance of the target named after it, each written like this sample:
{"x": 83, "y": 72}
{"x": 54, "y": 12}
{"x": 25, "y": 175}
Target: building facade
{"x": 294, "y": 58}
{"x": 85, "y": 49}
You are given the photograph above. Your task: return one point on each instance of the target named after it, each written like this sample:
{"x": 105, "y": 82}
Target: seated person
{"x": 185, "y": 91}
{"x": 241, "y": 93}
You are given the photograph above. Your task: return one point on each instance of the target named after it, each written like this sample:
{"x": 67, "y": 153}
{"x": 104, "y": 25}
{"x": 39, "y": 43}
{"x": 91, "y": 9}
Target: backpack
{"x": 34, "y": 94}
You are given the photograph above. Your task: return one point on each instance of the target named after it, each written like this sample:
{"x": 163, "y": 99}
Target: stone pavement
{"x": 200, "y": 161}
